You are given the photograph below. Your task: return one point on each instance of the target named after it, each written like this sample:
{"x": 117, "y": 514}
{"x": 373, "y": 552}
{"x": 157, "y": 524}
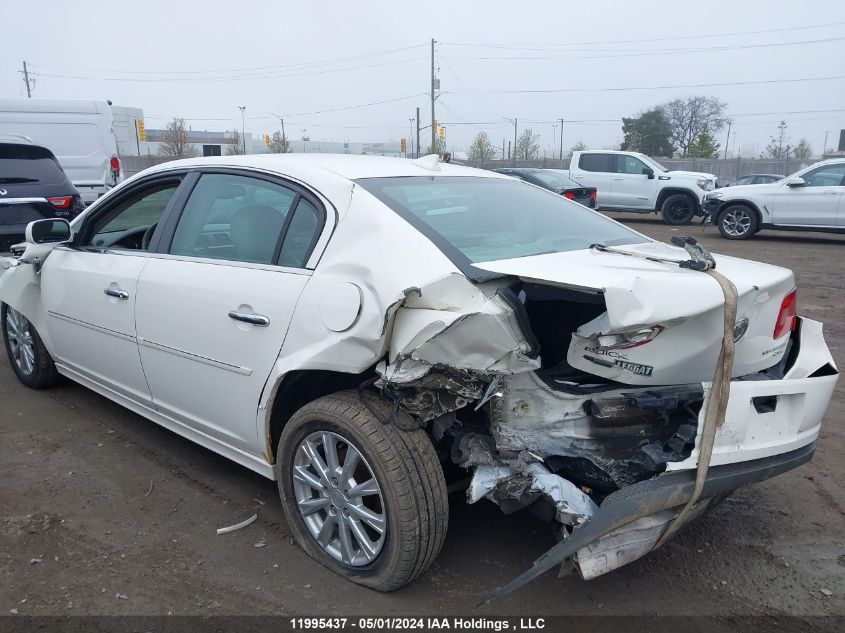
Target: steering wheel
{"x": 148, "y": 236}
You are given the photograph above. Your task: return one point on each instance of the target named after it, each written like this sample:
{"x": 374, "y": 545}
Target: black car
{"x": 33, "y": 186}
{"x": 556, "y": 181}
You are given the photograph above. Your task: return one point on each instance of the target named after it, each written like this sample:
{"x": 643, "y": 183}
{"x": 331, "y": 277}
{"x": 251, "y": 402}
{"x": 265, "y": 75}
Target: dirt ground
{"x": 106, "y": 513}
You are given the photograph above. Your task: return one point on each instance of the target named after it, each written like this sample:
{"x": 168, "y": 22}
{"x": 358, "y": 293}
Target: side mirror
{"x": 796, "y": 182}
{"x": 648, "y": 171}
{"x": 53, "y": 231}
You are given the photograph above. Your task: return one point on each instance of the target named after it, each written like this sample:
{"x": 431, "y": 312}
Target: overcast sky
{"x": 202, "y": 59}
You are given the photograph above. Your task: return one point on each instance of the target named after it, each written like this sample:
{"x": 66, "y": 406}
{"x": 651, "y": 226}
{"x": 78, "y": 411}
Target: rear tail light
{"x": 593, "y": 195}
{"x": 115, "y": 163}
{"x": 788, "y": 316}
{"x": 627, "y": 340}
{"x": 61, "y": 202}
{"x": 569, "y": 195}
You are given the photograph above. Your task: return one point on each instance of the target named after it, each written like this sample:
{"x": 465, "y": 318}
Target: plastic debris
{"x": 237, "y": 526}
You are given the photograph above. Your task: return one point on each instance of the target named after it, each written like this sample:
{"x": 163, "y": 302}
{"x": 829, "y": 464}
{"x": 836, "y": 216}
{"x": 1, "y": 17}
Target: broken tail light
{"x": 788, "y": 315}
{"x": 626, "y": 340}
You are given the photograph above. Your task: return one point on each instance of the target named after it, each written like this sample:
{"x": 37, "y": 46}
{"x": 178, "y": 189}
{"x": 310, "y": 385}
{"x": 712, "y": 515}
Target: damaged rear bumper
{"x": 624, "y": 510}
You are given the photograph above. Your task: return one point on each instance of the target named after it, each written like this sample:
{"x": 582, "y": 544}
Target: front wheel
{"x": 678, "y": 209}
{"x": 737, "y": 222}
{"x": 363, "y": 498}
{"x": 29, "y": 358}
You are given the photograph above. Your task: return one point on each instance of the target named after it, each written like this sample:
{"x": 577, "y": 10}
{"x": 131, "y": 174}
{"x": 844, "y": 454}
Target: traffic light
{"x": 442, "y": 133}
{"x": 266, "y": 139}
{"x": 403, "y": 147}
{"x": 142, "y": 134}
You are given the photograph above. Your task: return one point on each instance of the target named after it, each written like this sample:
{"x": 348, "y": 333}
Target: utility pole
{"x": 433, "y": 124}
{"x": 728, "y": 140}
{"x": 418, "y": 134}
{"x": 515, "y": 126}
{"x": 243, "y": 127}
{"x": 561, "y": 138}
{"x": 282, "y": 123}
{"x": 503, "y": 149}
{"x": 411, "y": 139}
{"x": 26, "y": 81}
{"x": 824, "y": 147}
{"x": 509, "y": 150}
{"x": 137, "y": 140}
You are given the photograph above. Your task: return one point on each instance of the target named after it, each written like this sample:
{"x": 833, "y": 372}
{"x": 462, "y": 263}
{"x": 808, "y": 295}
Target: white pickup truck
{"x": 630, "y": 181}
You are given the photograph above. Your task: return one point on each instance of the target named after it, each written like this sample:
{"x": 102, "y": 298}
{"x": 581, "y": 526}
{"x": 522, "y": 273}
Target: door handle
{"x": 253, "y": 319}
{"x": 117, "y": 293}
{"x": 619, "y": 178}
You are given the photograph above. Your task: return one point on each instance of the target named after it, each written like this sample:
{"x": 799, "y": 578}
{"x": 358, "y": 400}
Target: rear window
{"x": 596, "y": 162}
{"x": 486, "y": 219}
{"x": 21, "y": 164}
{"x": 554, "y": 179}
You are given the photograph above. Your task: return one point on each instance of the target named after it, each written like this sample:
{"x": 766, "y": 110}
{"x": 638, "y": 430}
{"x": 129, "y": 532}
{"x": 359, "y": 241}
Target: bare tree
{"x": 689, "y": 118}
{"x": 174, "y": 140}
{"x": 803, "y": 150}
{"x": 779, "y": 146}
{"x": 235, "y": 145}
{"x": 527, "y": 145}
{"x": 580, "y": 146}
{"x": 481, "y": 149}
{"x": 278, "y": 144}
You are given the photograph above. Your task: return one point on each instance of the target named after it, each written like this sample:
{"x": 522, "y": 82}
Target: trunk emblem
{"x": 740, "y": 328}
{"x": 3, "y": 192}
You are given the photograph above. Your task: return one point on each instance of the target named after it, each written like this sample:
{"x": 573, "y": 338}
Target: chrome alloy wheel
{"x": 736, "y": 222}
{"x": 20, "y": 341}
{"x": 339, "y": 498}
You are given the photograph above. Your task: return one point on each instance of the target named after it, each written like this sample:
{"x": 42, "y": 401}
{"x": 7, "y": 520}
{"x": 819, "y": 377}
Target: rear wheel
{"x": 737, "y": 222}
{"x": 29, "y": 358}
{"x": 363, "y": 498}
{"x": 678, "y": 209}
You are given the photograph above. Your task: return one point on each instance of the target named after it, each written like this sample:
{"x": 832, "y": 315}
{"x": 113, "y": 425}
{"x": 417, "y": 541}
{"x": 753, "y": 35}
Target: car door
{"x": 630, "y": 187}
{"x": 89, "y": 289}
{"x": 815, "y": 203}
{"x": 214, "y": 307}
{"x": 595, "y": 169}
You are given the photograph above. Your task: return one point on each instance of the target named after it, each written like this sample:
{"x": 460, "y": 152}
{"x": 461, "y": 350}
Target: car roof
{"x": 347, "y": 166}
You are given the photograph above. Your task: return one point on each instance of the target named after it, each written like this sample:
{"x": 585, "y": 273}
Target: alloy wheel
{"x": 339, "y": 498}
{"x": 736, "y": 222}
{"x": 20, "y": 341}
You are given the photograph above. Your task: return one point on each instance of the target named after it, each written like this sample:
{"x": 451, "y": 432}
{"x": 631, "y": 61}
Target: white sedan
{"x": 345, "y": 325}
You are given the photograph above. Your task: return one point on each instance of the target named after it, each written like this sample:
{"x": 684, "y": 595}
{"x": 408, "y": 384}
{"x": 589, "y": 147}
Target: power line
{"x": 325, "y": 62}
{"x": 629, "y": 88}
{"x": 652, "y": 39}
{"x": 648, "y": 53}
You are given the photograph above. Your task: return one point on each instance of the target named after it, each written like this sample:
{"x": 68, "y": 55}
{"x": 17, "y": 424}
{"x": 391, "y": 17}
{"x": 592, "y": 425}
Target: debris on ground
{"x": 237, "y": 526}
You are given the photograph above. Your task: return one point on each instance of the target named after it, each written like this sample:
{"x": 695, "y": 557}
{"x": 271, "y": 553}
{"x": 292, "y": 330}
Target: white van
{"x": 78, "y": 132}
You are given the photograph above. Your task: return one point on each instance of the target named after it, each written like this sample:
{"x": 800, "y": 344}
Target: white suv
{"x": 809, "y": 200}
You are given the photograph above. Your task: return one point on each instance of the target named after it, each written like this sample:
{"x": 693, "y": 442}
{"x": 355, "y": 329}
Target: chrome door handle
{"x": 117, "y": 292}
{"x": 253, "y": 319}
{"x": 619, "y": 179}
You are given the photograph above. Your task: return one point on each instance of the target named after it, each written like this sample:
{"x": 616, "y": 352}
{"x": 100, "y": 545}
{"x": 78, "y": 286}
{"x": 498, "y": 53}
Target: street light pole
{"x": 727, "y": 140}
{"x": 561, "y": 138}
{"x": 433, "y": 125}
{"x": 243, "y": 127}
{"x": 411, "y": 138}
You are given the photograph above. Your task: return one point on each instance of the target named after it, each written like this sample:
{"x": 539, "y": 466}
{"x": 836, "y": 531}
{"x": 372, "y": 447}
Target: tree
{"x": 279, "y": 143}
{"x": 779, "y": 146}
{"x": 481, "y": 149}
{"x": 580, "y": 146}
{"x": 174, "y": 140}
{"x": 439, "y": 147}
{"x": 689, "y": 117}
{"x": 803, "y": 150}
{"x": 705, "y": 146}
{"x": 235, "y": 146}
{"x": 649, "y": 133}
{"x": 527, "y": 145}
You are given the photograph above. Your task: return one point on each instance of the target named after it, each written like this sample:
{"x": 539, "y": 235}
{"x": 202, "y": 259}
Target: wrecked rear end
{"x": 573, "y": 380}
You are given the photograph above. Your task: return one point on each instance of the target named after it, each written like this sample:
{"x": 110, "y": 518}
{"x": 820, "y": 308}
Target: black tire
{"x": 40, "y": 372}
{"x": 405, "y": 466}
{"x": 738, "y": 222}
{"x": 679, "y": 208}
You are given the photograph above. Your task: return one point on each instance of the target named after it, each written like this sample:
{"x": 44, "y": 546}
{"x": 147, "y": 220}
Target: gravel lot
{"x": 106, "y": 513}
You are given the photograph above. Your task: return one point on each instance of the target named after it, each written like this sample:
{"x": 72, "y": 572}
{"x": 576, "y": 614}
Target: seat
{"x": 254, "y": 231}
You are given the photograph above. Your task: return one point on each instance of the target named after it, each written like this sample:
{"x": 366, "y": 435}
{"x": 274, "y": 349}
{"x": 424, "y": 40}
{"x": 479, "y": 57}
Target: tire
{"x": 677, "y": 209}
{"x": 29, "y": 358}
{"x": 737, "y": 222}
{"x": 411, "y": 501}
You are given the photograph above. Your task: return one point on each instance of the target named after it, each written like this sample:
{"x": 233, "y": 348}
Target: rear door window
{"x": 596, "y": 162}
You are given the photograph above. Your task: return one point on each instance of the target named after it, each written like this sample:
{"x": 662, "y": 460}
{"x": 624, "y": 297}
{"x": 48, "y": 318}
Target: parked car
{"x": 752, "y": 179}
{"x": 630, "y": 181}
{"x": 345, "y": 324}
{"x": 32, "y": 187}
{"x": 809, "y": 200}
{"x": 557, "y": 181}
{"x": 78, "y": 132}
